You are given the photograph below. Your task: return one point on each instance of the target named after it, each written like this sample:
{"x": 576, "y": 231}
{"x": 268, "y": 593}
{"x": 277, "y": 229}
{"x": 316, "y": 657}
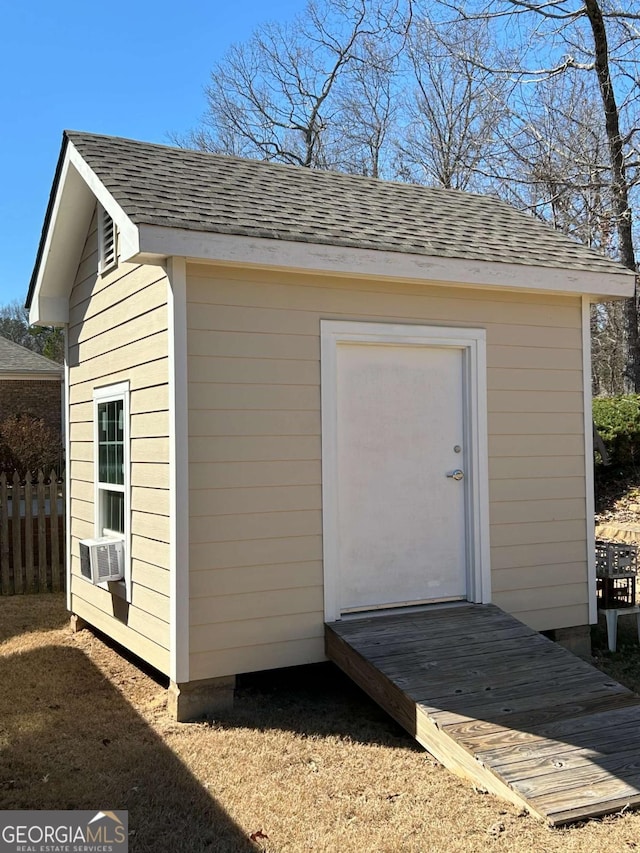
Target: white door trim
{"x": 472, "y": 342}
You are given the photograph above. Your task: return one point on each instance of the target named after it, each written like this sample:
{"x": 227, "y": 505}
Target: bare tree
{"x": 453, "y": 109}
{"x": 539, "y": 41}
{"x": 279, "y": 95}
{"x": 369, "y": 106}
{"x": 608, "y": 351}
{"x": 554, "y": 161}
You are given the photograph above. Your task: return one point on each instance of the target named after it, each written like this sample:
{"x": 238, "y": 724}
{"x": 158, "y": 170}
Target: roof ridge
{"x": 306, "y": 170}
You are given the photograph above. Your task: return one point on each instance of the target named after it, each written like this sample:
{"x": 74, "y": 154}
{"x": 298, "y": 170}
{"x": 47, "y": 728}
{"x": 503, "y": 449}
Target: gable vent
{"x": 107, "y": 247}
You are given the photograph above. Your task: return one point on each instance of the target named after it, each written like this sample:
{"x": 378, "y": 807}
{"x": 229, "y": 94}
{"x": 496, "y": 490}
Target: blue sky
{"x": 133, "y": 68}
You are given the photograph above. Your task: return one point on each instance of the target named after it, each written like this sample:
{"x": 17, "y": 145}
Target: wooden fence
{"x": 32, "y": 540}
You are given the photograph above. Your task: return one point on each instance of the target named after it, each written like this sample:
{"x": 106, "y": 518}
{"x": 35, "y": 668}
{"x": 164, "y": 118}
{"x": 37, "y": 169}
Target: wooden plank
{"x": 43, "y": 586}
{"x": 608, "y": 751}
{"x": 610, "y": 805}
{"x": 463, "y": 648}
{"x": 16, "y": 535}
{"x": 5, "y": 579}
{"x": 501, "y": 710}
{"x": 510, "y": 651}
{"x": 28, "y": 536}
{"x": 54, "y": 532}
{"x": 489, "y": 679}
{"x": 589, "y": 786}
{"x": 468, "y": 660}
{"x": 500, "y": 743}
{"x": 544, "y": 722}
{"x": 503, "y": 707}
{"x": 466, "y": 644}
{"x": 396, "y": 703}
{"x": 455, "y": 624}
{"x": 449, "y": 698}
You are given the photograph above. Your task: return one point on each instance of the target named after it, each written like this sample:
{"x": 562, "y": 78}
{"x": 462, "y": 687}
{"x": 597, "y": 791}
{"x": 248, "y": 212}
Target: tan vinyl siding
{"x": 255, "y": 453}
{"x": 118, "y": 331}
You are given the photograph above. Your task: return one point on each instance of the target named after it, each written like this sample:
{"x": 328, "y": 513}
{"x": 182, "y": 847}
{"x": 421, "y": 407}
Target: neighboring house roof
{"x": 16, "y": 359}
{"x": 174, "y": 202}
{"x": 198, "y": 191}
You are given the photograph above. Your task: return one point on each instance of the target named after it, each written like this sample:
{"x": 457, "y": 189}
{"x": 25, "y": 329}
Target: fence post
{"x": 53, "y": 530}
{"x": 28, "y": 534}
{"x": 4, "y": 536}
{"x": 42, "y": 534}
{"x": 16, "y": 523}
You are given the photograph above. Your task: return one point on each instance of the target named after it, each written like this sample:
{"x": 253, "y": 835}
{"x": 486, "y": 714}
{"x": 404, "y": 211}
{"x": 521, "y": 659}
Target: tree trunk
{"x": 619, "y": 183}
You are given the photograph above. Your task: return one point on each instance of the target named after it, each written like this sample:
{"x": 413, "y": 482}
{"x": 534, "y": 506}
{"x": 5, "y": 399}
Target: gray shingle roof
{"x": 197, "y": 191}
{"x": 17, "y": 359}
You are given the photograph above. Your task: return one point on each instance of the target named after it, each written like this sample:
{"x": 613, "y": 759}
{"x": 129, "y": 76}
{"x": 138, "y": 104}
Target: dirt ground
{"x": 305, "y": 762}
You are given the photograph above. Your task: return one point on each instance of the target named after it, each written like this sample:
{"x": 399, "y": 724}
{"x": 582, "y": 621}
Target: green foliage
{"x": 617, "y": 419}
{"x": 14, "y": 325}
{"x": 27, "y": 444}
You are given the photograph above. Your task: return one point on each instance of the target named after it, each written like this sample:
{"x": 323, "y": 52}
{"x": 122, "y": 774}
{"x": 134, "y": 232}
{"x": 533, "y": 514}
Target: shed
{"x": 30, "y": 384}
{"x": 300, "y": 395}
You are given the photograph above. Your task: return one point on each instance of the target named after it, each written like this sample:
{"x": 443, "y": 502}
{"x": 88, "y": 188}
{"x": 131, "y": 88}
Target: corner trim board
{"x": 588, "y": 459}
{"x": 179, "y": 469}
{"x": 67, "y": 467}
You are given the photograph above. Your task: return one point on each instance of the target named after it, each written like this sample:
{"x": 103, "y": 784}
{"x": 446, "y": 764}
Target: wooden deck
{"x": 501, "y": 705}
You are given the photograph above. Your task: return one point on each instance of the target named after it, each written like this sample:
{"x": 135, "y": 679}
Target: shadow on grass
{"x": 315, "y": 700}
{"x": 71, "y": 741}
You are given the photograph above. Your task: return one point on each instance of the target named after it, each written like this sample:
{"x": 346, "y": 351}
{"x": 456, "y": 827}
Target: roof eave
{"x": 161, "y": 242}
{"x": 72, "y": 200}
{"x": 39, "y": 375}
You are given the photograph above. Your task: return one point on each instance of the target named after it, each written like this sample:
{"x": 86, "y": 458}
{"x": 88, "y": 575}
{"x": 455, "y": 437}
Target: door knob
{"x": 456, "y": 475}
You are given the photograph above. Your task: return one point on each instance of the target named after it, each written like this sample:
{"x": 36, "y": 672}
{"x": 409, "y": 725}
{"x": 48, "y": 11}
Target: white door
{"x": 400, "y": 435}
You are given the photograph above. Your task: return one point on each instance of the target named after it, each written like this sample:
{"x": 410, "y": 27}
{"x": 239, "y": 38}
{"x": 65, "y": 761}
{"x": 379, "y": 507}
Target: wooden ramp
{"x": 501, "y": 705}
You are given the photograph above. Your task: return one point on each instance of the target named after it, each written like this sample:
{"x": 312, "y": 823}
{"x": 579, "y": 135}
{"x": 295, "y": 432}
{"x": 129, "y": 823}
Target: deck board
{"x": 501, "y": 705}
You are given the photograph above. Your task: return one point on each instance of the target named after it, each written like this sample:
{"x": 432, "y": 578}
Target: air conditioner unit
{"x": 102, "y": 559}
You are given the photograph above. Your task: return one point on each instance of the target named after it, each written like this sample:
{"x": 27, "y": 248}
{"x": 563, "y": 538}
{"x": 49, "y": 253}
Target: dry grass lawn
{"x": 304, "y": 763}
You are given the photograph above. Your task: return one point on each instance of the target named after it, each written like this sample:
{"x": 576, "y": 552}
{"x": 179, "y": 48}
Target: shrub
{"x": 28, "y": 444}
{"x": 617, "y": 419}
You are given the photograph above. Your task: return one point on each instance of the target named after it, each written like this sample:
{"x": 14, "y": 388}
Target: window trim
{"x": 106, "y": 264}
{"x": 107, "y": 394}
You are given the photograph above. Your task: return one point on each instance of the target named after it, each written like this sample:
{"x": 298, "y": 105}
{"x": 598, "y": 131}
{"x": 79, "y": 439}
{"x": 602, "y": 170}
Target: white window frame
{"x": 104, "y": 266}
{"x": 108, "y": 394}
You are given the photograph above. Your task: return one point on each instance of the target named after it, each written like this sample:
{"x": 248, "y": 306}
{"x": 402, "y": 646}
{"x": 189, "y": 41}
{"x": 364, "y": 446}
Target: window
{"x": 107, "y": 241}
{"x": 111, "y": 455}
{"x": 111, "y": 465}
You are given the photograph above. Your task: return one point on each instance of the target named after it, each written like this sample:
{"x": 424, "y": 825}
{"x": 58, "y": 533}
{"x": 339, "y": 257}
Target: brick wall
{"x": 40, "y": 398}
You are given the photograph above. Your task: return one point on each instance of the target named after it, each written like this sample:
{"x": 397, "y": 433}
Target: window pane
{"x": 111, "y": 442}
{"x": 113, "y": 511}
{"x": 119, "y": 473}
{"x": 102, "y": 463}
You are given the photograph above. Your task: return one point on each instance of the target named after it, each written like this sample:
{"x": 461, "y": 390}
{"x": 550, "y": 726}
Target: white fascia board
{"x": 50, "y": 266}
{"x": 128, "y": 238}
{"x": 49, "y": 310}
{"x": 159, "y": 241}
{"x": 77, "y": 191}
